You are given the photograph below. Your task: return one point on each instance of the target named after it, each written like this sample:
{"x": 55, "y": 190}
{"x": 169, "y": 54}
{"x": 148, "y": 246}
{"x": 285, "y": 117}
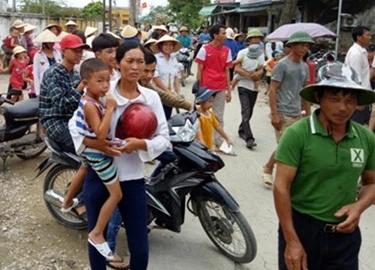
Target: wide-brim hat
{"x": 155, "y": 47}
{"x": 113, "y": 34}
{"x": 254, "y": 51}
{"x": 184, "y": 28}
{"x": 229, "y": 33}
{"x": 62, "y": 35}
{"x": 160, "y": 27}
{"x": 18, "y": 49}
{"x": 29, "y": 27}
{"x": 150, "y": 41}
{"x": 129, "y": 31}
{"x": 339, "y": 76}
{"x": 53, "y": 25}
{"x": 70, "y": 23}
{"x": 254, "y": 33}
{"x": 203, "y": 95}
{"x": 46, "y": 37}
{"x": 90, "y": 30}
{"x": 19, "y": 24}
{"x": 238, "y": 35}
{"x": 300, "y": 37}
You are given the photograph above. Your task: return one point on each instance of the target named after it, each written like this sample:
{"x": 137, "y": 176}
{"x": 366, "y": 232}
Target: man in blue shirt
{"x": 184, "y": 37}
{"x": 204, "y": 36}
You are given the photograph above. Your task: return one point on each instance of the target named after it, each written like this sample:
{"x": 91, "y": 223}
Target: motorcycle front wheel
{"x": 229, "y": 231}
{"x": 58, "y": 179}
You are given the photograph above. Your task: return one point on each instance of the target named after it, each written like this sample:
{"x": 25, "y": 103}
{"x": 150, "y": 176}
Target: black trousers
{"x": 248, "y": 99}
{"x": 325, "y": 250}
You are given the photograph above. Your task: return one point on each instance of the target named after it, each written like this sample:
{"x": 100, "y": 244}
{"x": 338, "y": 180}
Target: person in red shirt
{"x": 311, "y": 65}
{"x": 17, "y": 66}
{"x": 214, "y": 61}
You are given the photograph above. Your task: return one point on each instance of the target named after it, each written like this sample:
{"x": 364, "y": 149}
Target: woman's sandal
{"x": 103, "y": 249}
{"x": 110, "y": 263}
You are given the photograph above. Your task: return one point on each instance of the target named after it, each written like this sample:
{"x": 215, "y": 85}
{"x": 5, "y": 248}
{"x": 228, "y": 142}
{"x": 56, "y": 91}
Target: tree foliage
{"x": 159, "y": 15}
{"x": 187, "y": 12}
{"x": 94, "y": 9}
{"x": 50, "y": 7}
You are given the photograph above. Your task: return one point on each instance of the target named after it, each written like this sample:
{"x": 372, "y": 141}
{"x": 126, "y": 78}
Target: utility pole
{"x": 14, "y": 6}
{"x": 104, "y": 8}
{"x": 110, "y": 15}
{"x": 338, "y": 30}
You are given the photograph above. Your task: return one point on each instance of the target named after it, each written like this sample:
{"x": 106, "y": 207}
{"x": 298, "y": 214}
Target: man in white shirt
{"x": 357, "y": 59}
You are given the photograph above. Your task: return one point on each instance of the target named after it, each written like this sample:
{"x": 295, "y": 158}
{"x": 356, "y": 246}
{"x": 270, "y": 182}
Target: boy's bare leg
{"x": 75, "y": 186}
{"x": 115, "y": 195}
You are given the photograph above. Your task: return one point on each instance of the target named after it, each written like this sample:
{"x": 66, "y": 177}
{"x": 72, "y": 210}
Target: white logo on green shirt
{"x": 357, "y": 157}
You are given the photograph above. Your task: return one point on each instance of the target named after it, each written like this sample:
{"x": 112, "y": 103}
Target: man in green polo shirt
{"x": 319, "y": 161}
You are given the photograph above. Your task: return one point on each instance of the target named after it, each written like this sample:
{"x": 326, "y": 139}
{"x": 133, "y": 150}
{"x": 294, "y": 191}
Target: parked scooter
{"x": 191, "y": 177}
{"x": 183, "y": 56}
{"x": 20, "y": 135}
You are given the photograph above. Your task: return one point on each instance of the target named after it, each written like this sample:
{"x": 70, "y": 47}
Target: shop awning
{"x": 207, "y": 11}
{"x": 254, "y": 9}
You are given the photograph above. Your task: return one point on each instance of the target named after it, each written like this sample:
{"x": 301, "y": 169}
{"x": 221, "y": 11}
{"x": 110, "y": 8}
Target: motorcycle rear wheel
{"x": 221, "y": 226}
{"x": 59, "y": 179}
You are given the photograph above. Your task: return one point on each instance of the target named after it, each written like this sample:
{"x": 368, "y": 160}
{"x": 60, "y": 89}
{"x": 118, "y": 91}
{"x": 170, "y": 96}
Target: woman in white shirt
{"x": 166, "y": 74}
{"x": 45, "y": 57}
{"x": 130, "y": 162}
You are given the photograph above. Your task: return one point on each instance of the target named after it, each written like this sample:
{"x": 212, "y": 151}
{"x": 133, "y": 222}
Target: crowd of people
{"x": 85, "y": 81}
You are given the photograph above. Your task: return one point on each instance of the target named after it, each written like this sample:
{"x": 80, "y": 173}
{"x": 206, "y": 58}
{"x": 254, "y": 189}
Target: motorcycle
{"x": 18, "y": 136}
{"x": 183, "y": 56}
{"x": 190, "y": 177}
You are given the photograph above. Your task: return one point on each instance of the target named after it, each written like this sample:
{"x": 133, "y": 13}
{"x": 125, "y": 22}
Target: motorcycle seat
{"x": 23, "y": 109}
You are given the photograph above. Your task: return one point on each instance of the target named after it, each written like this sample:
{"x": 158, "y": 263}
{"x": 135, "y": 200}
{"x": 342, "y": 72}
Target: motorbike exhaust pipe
{"x": 54, "y": 197}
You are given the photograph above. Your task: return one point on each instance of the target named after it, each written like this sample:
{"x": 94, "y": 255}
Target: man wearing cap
{"x": 319, "y": 162}
{"x": 247, "y": 90}
{"x": 357, "y": 59}
{"x": 288, "y": 77}
{"x": 214, "y": 61}
{"x": 60, "y": 93}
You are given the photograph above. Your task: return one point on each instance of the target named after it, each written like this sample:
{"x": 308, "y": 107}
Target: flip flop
{"x": 267, "y": 179}
{"x": 74, "y": 204}
{"x": 103, "y": 249}
{"x": 109, "y": 263}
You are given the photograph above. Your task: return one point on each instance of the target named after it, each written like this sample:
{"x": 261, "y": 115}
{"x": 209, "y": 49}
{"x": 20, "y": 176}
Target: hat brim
{"x": 365, "y": 96}
{"x": 205, "y": 97}
{"x": 82, "y": 45}
{"x": 155, "y": 47}
{"x": 301, "y": 41}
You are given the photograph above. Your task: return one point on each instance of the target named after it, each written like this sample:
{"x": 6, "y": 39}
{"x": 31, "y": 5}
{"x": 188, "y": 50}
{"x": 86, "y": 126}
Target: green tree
{"x": 49, "y": 7}
{"x": 94, "y": 9}
{"x": 187, "y": 12}
{"x": 158, "y": 15}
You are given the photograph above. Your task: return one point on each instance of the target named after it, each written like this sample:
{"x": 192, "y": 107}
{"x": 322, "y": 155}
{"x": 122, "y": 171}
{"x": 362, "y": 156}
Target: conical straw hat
{"x": 62, "y": 35}
{"x": 155, "y": 47}
{"x": 113, "y": 34}
{"x": 46, "y": 37}
{"x": 70, "y": 23}
{"x": 29, "y": 27}
{"x": 18, "y": 49}
{"x": 90, "y": 30}
{"x": 129, "y": 31}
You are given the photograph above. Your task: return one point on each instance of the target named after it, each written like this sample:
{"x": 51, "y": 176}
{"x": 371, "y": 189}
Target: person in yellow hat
{"x": 17, "y": 66}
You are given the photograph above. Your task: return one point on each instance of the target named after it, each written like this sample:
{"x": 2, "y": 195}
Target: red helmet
{"x": 137, "y": 121}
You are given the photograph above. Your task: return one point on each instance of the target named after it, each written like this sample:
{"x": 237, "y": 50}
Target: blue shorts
{"x": 102, "y": 164}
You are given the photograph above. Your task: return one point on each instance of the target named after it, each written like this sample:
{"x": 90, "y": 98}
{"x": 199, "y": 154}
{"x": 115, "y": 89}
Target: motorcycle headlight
{"x": 185, "y": 133}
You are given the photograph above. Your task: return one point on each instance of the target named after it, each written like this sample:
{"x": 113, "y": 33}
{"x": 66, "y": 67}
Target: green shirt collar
{"x": 317, "y": 128}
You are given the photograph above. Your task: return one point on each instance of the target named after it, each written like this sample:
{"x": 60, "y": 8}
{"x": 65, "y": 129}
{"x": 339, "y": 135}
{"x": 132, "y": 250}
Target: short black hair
{"x": 104, "y": 41}
{"x": 127, "y": 46}
{"x": 155, "y": 35}
{"x": 359, "y": 31}
{"x": 80, "y": 34}
{"x": 149, "y": 58}
{"x": 215, "y": 29}
{"x": 371, "y": 48}
{"x": 89, "y": 66}
{"x": 335, "y": 91}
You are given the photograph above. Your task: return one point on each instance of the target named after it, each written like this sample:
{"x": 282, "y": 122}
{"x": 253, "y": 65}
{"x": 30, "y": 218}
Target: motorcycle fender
{"x": 214, "y": 190}
{"x": 46, "y": 163}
